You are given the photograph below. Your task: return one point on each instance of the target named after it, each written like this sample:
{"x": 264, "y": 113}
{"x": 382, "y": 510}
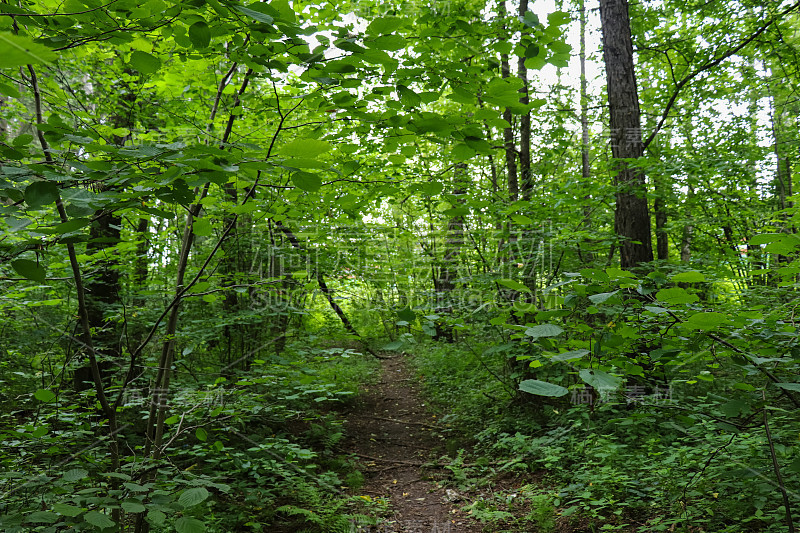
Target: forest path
{"x": 393, "y": 434}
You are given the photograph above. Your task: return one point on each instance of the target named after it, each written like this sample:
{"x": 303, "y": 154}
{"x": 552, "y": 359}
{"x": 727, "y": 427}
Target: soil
{"x": 397, "y": 441}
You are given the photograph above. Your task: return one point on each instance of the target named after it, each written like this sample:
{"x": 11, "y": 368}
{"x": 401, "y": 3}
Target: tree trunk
{"x": 448, "y": 273}
{"x": 508, "y": 132}
{"x": 586, "y": 171}
{"x": 525, "y": 121}
{"x": 632, "y": 216}
{"x": 688, "y": 228}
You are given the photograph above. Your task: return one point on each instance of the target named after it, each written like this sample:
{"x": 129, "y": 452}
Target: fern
{"x": 308, "y": 516}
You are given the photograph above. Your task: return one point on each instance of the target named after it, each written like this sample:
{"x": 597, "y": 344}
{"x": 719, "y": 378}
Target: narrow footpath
{"x": 395, "y": 436}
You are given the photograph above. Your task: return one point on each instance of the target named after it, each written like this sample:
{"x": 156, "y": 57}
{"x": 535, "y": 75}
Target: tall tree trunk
{"x": 508, "y": 131}
{"x": 103, "y": 288}
{"x": 632, "y": 216}
{"x": 448, "y": 273}
{"x": 586, "y": 171}
{"x": 660, "y": 210}
{"x": 525, "y": 121}
{"x": 688, "y": 228}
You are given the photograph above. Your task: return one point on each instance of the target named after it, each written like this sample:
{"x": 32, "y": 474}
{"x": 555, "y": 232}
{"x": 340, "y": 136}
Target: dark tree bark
{"x": 586, "y": 171}
{"x": 660, "y": 210}
{"x": 525, "y": 122}
{"x": 632, "y": 216}
{"x": 448, "y": 272}
{"x": 508, "y": 132}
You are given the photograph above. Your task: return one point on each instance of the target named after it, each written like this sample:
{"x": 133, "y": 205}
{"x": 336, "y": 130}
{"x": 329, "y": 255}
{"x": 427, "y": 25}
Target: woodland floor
{"x": 397, "y": 439}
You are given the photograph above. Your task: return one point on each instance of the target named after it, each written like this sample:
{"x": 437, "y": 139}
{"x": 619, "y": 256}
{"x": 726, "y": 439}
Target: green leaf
{"x": 766, "y": 238}
{"x": 144, "y": 62}
{"x": 689, "y": 277}
{"x": 599, "y": 380}
{"x": 392, "y": 346}
{"x": 201, "y": 434}
{"x": 789, "y": 386}
{"x": 44, "y": 395}
{"x": 30, "y": 270}
{"x": 532, "y": 50}
{"x": 733, "y": 407}
{"x": 705, "y": 321}
{"x": 65, "y": 509}
{"x": 306, "y": 181}
{"x": 384, "y": 25}
{"x": 261, "y": 17}
{"x": 200, "y": 34}
{"x": 558, "y": 18}
{"x": 308, "y": 148}
{"x": 602, "y": 297}
{"x": 515, "y": 285}
{"x": 131, "y": 506}
{"x": 41, "y": 193}
{"x": 193, "y": 496}
{"x": 187, "y": 524}
{"x": 407, "y": 314}
{"x": 98, "y": 519}
{"x": 567, "y": 356}
{"x": 676, "y": 295}
{"x": 9, "y": 90}
{"x": 75, "y": 474}
{"x": 42, "y": 517}
{"x": 542, "y": 388}
{"x": 19, "y": 50}
{"x": 72, "y": 225}
{"x": 462, "y": 152}
{"x": 155, "y": 518}
{"x": 202, "y": 227}
{"x": 458, "y": 211}
{"x": 543, "y": 330}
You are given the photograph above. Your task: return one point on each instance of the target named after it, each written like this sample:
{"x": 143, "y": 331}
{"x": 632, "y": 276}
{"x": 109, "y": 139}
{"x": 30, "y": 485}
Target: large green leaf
{"x": 602, "y": 297}
{"x": 200, "y": 34}
{"x": 133, "y": 506}
{"x": 305, "y": 148}
{"x": 601, "y": 381}
{"x": 676, "y": 295}
{"x": 65, "y": 509}
{"x": 260, "y": 17}
{"x": 144, "y": 62}
{"x": 187, "y": 524}
{"x": 384, "y": 25}
{"x": 568, "y": 356}
{"x": 543, "y": 330}
{"x": 41, "y": 193}
{"x": 98, "y": 519}
{"x": 42, "y": 517}
{"x": 193, "y": 496}
{"x": 29, "y": 269}
{"x": 512, "y": 284}
{"x": 75, "y": 474}
{"x": 789, "y": 386}
{"x": 542, "y": 388}
{"x": 705, "y": 321}
{"x": 19, "y": 50}
{"x": 689, "y": 277}
{"x": 306, "y": 181}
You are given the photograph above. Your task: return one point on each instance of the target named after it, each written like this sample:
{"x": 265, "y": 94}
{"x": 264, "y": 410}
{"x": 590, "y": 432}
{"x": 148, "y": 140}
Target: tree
{"x": 632, "y": 215}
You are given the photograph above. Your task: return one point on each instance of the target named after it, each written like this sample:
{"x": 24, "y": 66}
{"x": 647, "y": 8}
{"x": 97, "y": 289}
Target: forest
{"x": 443, "y": 266}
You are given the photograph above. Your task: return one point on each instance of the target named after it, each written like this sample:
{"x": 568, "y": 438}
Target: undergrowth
{"x": 615, "y": 464}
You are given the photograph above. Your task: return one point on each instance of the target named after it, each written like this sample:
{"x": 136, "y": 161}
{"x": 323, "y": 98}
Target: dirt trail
{"x": 393, "y": 434}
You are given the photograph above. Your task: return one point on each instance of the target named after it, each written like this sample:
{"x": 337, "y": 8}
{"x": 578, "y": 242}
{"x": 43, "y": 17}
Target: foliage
{"x": 211, "y": 211}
